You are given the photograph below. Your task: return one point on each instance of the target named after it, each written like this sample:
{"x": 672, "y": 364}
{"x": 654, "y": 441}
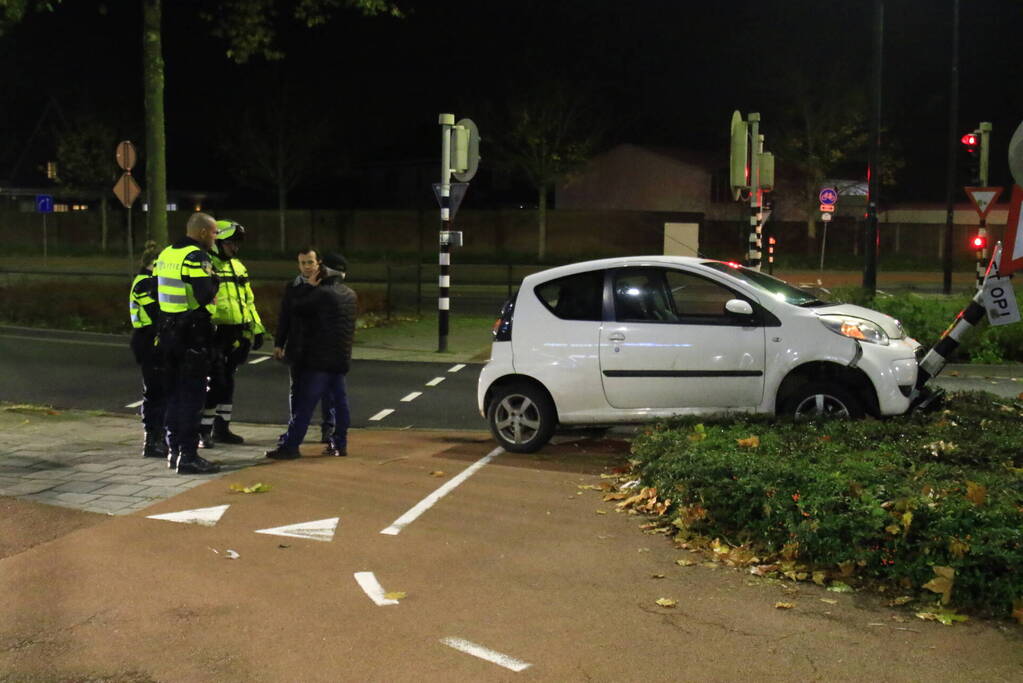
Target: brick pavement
{"x": 92, "y": 461}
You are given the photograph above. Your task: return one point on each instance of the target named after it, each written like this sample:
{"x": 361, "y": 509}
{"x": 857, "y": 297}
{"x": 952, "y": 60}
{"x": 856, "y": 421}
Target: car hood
{"x": 891, "y": 326}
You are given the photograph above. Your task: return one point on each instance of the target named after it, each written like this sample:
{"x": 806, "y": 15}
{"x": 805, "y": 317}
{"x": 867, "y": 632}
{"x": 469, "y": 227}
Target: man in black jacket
{"x": 324, "y": 309}
{"x": 288, "y": 340}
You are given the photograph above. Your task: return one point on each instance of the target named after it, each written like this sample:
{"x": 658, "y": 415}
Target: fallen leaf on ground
{"x": 763, "y": 569}
{"x": 901, "y": 601}
{"x": 840, "y": 587}
{"x": 946, "y": 617}
{"x": 396, "y": 595}
{"x": 601, "y": 512}
{"x": 784, "y": 605}
{"x": 751, "y": 442}
{"x": 657, "y": 576}
{"x": 942, "y": 583}
{"x": 829, "y": 601}
{"x": 666, "y": 602}
{"x": 254, "y": 488}
{"x": 685, "y": 563}
{"x": 438, "y": 473}
{"x": 231, "y": 555}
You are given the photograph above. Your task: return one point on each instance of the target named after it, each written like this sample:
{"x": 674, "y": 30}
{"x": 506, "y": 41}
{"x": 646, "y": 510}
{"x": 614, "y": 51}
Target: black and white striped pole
{"x": 755, "y": 245}
{"x": 459, "y": 156}
{"x": 937, "y": 358}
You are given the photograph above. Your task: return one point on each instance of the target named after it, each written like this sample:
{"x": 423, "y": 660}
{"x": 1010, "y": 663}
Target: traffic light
{"x": 971, "y": 143}
{"x": 978, "y": 242}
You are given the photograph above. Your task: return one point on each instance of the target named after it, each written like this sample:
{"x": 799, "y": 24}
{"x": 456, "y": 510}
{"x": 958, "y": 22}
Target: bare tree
{"x": 85, "y": 159}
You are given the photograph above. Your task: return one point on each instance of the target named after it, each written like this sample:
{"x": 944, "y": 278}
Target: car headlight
{"x": 855, "y": 328}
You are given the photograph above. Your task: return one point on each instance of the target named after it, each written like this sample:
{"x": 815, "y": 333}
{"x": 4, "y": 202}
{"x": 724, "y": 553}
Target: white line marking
{"x": 319, "y": 530}
{"x": 136, "y": 404}
{"x": 428, "y": 502}
{"x": 382, "y": 414}
{"x": 373, "y": 589}
{"x": 259, "y": 360}
{"x": 411, "y": 397}
{"x": 456, "y": 368}
{"x": 486, "y": 653}
{"x": 200, "y": 516}
{"x": 435, "y": 381}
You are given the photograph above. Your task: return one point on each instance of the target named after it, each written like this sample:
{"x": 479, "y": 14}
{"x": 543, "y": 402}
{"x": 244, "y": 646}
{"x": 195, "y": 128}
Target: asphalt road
{"x": 97, "y": 372}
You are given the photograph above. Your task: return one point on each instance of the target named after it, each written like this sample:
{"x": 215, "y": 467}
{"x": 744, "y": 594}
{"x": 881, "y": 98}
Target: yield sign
{"x": 200, "y": 516}
{"x": 1012, "y": 253}
{"x": 983, "y": 198}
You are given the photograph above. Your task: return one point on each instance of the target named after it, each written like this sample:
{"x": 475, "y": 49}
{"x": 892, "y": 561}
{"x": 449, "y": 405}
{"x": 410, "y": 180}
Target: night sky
{"x": 664, "y": 73}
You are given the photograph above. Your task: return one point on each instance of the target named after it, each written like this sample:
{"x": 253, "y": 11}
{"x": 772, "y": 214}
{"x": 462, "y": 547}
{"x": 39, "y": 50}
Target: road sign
{"x": 827, "y": 208}
{"x": 1012, "y": 254}
{"x": 44, "y": 203}
{"x": 125, "y": 155}
{"x": 1000, "y": 301}
{"x": 826, "y": 217}
{"x": 828, "y": 196}
{"x": 465, "y": 152}
{"x": 983, "y": 198}
{"x": 127, "y": 190}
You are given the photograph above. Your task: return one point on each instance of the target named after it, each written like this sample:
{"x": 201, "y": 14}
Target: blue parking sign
{"x": 44, "y": 203}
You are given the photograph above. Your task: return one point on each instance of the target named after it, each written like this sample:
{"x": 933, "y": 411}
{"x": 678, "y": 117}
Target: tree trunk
{"x": 156, "y": 142}
{"x": 541, "y": 251}
{"x": 103, "y": 223}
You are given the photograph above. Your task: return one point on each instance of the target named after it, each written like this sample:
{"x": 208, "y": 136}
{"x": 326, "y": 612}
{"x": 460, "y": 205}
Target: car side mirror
{"x": 739, "y": 307}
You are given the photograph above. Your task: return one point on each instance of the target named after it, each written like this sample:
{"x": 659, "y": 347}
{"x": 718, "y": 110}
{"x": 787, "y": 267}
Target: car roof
{"x": 616, "y": 262}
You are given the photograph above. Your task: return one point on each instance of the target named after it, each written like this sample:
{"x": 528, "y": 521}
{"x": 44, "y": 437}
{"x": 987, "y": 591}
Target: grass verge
{"x": 925, "y": 508}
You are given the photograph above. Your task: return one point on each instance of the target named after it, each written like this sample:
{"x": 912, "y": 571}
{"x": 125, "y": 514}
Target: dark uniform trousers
{"x": 154, "y": 393}
{"x": 186, "y": 340}
{"x": 232, "y": 347}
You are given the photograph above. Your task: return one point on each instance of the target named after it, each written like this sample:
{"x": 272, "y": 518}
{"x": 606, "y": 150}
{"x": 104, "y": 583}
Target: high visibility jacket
{"x": 236, "y": 304}
{"x": 142, "y": 300}
{"x": 185, "y": 279}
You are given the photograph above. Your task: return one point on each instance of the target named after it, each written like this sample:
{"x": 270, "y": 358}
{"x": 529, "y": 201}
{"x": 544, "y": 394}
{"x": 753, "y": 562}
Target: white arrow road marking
{"x": 320, "y": 530}
{"x": 426, "y": 503}
{"x": 369, "y": 584}
{"x": 136, "y": 404}
{"x": 486, "y": 653}
{"x": 259, "y": 360}
{"x": 411, "y": 397}
{"x": 435, "y": 381}
{"x": 381, "y": 415}
{"x": 456, "y": 368}
{"x": 200, "y": 516}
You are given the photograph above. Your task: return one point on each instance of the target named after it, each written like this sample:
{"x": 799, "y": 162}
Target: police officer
{"x": 145, "y": 315}
{"x": 186, "y": 289}
{"x": 238, "y": 329}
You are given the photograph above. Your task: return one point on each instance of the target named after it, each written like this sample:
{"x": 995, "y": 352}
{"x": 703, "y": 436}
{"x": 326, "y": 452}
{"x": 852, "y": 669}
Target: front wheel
{"x": 817, "y": 400}
{"x": 521, "y": 417}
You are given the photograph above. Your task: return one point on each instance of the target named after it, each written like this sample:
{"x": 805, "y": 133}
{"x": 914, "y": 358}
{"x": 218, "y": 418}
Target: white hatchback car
{"x": 632, "y": 339}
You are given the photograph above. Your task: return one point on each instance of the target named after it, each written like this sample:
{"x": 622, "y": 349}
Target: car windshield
{"x": 778, "y": 289}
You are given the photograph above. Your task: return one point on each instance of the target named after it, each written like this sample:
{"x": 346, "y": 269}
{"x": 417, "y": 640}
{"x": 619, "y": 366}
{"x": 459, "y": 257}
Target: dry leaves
{"x": 784, "y": 605}
{"x": 750, "y": 442}
{"x": 254, "y": 488}
{"x": 942, "y": 583}
{"x": 666, "y": 602}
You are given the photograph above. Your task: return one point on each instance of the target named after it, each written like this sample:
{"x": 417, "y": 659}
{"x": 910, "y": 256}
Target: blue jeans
{"x": 310, "y": 388}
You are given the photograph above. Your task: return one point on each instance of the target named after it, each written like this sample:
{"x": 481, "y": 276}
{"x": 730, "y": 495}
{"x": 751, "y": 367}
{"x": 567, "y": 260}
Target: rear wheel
{"x": 816, "y": 400}
{"x": 521, "y": 417}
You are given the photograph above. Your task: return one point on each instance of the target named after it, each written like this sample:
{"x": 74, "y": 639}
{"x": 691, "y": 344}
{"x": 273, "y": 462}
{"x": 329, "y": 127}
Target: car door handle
{"x": 617, "y": 337}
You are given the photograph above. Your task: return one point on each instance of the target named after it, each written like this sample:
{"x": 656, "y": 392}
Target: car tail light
{"x": 502, "y": 329}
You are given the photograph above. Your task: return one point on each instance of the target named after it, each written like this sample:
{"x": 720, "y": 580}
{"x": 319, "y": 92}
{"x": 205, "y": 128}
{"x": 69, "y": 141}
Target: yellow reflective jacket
{"x": 236, "y": 304}
{"x": 143, "y": 291}
{"x": 184, "y": 278}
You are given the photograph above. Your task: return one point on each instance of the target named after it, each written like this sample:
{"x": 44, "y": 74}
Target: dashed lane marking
{"x": 319, "y": 530}
{"x": 381, "y": 415}
{"x": 411, "y": 397}
{"x": 200, "y": 516}
{"x": 486, "y": 653}
{"x": 259, "y": 360}
{"x": 136, "y": 404}
{"x": 435, "y": 381}
{"x": 456, "y": 368}
{"x": 369, "y": 584}
{"x": 428, "y": 502}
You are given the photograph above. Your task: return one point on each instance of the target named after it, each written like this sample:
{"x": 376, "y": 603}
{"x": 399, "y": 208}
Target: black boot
{"x": 283, "y": 453}
{"x": 172, "y": 460}
{"x": 153, "y": 446}
{"x": 326, "y": 432}
{"x": 222, "y": 432}
{"x": 206, "y": 436}
{"x": 195, "y": 464}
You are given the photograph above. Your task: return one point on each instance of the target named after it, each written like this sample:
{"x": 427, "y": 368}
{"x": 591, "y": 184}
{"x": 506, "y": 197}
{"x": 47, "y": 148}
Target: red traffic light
{"x": 970, "y": 139}
{"x": 979, "y": 242}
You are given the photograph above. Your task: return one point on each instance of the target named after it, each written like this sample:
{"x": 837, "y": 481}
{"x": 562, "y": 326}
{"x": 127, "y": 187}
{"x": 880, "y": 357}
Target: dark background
{"x": 660, "y": 72}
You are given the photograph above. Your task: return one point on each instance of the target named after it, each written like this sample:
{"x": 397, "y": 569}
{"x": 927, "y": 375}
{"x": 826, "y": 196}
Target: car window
{"x": 695, "y": 296}
{"x": 641, "y": 295}
{"x": 576, "y": 297}
{"x": 777, "y": 289}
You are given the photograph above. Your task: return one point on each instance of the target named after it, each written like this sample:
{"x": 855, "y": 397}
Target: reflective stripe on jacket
{"x": 236, "y": 304}
{"x": 179, "y": 270}
{"x": 143, "y": 289}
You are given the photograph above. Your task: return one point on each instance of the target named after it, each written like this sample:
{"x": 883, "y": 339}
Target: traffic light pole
{"x": 755, "y": 246}
{"x": 444, "y": 280}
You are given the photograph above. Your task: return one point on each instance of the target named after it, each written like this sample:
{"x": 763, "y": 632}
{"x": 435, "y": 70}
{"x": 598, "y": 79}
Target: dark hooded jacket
{"x": 325, "y": 320}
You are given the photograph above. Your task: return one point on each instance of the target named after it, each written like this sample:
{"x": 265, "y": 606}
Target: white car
{"x": 633, "y": 339}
